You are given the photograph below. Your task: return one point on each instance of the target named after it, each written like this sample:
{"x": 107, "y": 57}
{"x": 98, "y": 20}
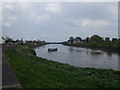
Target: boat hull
{"x": 52, "y": 49}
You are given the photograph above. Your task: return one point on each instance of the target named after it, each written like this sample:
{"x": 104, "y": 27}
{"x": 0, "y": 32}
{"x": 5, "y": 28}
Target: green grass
{"x": 35, "y": 72}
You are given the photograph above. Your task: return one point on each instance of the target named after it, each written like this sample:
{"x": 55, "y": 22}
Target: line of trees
{"x": 95, "y": 41}
{"x": 94, "y": 38}
{"x": 10, "y": 41}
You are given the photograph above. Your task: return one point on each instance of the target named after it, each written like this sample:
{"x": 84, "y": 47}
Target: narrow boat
{"x": 52, "y": 49}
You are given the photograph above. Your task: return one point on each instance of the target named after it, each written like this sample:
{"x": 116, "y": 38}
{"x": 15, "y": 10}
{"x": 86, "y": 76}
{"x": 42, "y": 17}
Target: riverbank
{"x": 35, "y": 72}
{"x": 105, "y": 46}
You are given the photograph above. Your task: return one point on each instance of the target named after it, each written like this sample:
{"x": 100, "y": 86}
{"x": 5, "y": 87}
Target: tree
{"x": 71, "y": 39}
{"x": 107, "y": 39}
{"x": 96, "y": 38}
{"x": 87, "y": 39}
{"x": 3, "y": 38}
{"x": 8, "y": 40}
{"x": 78, "y": 38}
{"x": 119, "y": 40}
{"x": 114, "y": 40}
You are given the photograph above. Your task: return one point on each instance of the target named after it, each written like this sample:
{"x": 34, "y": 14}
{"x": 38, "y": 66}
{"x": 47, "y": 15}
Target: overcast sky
{"x": 58, "y": 21}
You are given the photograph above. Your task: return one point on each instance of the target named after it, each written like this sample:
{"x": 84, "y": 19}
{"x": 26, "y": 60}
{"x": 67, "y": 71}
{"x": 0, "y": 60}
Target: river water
{"x": 80, "y": 57}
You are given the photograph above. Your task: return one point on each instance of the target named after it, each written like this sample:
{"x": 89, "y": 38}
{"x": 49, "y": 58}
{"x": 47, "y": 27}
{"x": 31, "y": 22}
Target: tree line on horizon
{"x": 8, "y": 40}
{"x": 95, "y": 41}
{"x": 94, "y": 38}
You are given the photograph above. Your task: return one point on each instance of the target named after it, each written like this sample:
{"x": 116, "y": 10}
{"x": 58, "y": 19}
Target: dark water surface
{"x": 80, "y": 57}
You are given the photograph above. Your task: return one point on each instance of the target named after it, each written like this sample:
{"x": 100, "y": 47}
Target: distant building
{"x": 82, "y": 41}
{"x": 77, "y": 40}
{"x": 69, "y": 41}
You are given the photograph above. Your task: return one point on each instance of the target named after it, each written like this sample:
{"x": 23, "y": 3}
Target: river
{"x": 79, "y": 57}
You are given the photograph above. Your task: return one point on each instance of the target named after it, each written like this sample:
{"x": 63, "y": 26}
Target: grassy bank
{"x": 35, "y": 72}
{"x": 107, "y": 46}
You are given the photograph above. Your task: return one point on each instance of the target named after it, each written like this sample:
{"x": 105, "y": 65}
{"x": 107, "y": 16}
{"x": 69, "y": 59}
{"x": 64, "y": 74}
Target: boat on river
{"x": 52, "y": 49}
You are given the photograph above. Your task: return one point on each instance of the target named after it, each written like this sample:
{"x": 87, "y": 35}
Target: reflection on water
{"x": 78, "y": 50}
{"x": 71, "y": 49}
{"x": 80, "y": 57}
{"x": 109, "y": 53}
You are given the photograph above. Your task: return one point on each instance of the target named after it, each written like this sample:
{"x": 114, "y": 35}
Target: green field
{"x": 35, "y": 72}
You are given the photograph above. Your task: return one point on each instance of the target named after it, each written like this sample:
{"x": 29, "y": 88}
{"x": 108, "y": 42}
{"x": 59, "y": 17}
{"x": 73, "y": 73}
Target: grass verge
{"x": 35, "y": 72}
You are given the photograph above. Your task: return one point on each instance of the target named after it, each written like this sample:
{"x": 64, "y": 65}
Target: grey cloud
{"x": 88, "y": 10}
{"x": 59, "y": 26}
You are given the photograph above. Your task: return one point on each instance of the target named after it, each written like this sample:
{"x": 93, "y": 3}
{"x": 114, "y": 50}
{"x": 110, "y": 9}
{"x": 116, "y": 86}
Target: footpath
{"x": 9, "y": 80}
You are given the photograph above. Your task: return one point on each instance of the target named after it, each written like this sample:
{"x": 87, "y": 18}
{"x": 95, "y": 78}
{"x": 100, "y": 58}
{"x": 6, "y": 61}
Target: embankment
{"x": 35, "y": 72}
{"x": 110, "y": 47}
